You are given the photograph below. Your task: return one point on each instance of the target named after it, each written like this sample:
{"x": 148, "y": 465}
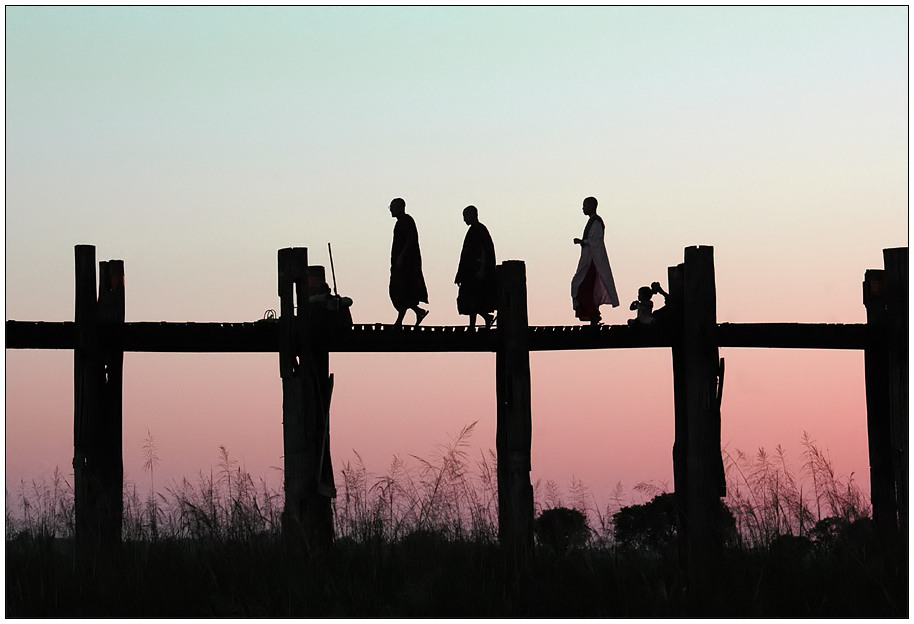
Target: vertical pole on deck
{"x": 306, "y": 518}
{"x": 698, "y": 467}
{"x": 98, "y": 358}
{"x": 514, "y": 423}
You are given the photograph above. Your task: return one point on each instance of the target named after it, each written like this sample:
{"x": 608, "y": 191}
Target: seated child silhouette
{"x": 644, "y": 305}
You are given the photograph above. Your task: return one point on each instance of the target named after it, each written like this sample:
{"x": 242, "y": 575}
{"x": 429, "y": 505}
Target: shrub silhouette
{"x": 654, "y": 525}
{"x": 560, "y": 529}
{"x": 648, "y": 526}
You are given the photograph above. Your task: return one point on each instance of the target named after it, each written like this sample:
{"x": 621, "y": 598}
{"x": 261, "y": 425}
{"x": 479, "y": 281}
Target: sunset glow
{"x": 194, "y": 142}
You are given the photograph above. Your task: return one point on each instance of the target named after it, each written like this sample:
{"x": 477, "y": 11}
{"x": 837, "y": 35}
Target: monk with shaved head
{"x": 407, "y": 284}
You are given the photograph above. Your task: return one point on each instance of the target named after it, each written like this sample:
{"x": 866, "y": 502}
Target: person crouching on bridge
{"x": 592, "y": 284}
{"x": 644, "y": 306}
{"x": 477, "y": 292}
{"x": 407, "y": 284}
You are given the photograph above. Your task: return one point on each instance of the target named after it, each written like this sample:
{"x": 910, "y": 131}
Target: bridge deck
{"x": 262, "y": 337}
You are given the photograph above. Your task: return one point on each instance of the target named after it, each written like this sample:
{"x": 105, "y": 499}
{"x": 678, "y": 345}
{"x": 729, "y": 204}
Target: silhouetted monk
{"x": 476, "y": 271}
{"x": 592, "y": 284}
{"x": 407, "y": 285}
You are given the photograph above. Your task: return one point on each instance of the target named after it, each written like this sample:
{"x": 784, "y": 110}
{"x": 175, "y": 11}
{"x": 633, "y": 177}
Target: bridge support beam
{"x": 514, "y": 423}
{"x": 98, "y": 365}
{"x": 307, "y": 520}
{"x": 896, "y": 278}
{"x": 697, "y": 465}
{"x": 885, "y": 295}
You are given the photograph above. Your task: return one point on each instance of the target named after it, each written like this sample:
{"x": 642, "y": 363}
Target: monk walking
{"x": 476, "y": 271}
{"x": 407, "y": 284}
{"x": 592, "y": 284}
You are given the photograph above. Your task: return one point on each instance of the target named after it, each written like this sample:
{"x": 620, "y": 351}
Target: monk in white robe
{"x": 592, "y": 284}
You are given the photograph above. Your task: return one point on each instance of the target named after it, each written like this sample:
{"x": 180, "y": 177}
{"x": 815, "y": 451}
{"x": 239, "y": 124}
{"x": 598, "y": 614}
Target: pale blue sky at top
{"x": 168, "y": 121}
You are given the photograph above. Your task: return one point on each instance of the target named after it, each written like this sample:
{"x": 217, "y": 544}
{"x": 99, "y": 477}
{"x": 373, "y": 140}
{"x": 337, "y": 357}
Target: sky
{"x": 194, "y": 142}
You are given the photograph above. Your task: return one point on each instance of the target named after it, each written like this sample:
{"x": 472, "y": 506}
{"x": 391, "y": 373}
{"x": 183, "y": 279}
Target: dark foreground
{"x": 428, "y": 576}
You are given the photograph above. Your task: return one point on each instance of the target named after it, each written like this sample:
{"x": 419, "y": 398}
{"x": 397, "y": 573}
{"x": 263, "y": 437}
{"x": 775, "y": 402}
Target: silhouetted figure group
{"x": 475, "y": 273}
{"x": 591, "y": 286}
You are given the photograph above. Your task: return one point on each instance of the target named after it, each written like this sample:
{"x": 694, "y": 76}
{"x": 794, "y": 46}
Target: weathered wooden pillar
{"x": 879, "y": 433}
{"x": 681, "y": 433}
{"x": 306, "y": 518}
{"x": 98, "y": 465}
{"x": 696, "y": 367}
{"x": 885, "y": 295}
{"x": 513, "y": 432}
{"x": 896, "y": 281}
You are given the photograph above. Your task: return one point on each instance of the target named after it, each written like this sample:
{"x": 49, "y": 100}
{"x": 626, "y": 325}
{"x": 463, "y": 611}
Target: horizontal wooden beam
{"x": 40, "y": 335}
{"x": 792, "y": 335}
{"x": 258, "y": 337}
{"x": 262, "y": 337}
{"x": 163, "y": 337}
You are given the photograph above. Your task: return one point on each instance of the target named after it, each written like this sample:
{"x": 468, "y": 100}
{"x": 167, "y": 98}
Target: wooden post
{"x": 513, "y": 431}
{"x": 879, "y": 435}
{"x": 98, "y": 390}
{"x": 681, "y": 423}
{"x": 696, "y": 368}
{"x": 885, "y": 295}
{"x": 307, "y": 518}
{"x": 896, "y": 282}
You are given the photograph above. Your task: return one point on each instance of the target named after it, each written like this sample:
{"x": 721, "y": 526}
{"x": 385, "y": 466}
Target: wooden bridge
{"x": 99, "y": 336}
{"x": 263, "y": 337}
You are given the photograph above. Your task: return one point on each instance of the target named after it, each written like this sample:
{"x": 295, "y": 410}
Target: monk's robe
{"x": 592, "y": 284}
{"x": 407, "y": 284}
{"x": 477, "y": 295}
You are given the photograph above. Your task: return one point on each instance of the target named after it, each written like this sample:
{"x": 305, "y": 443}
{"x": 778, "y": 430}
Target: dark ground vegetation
{"x": 422, "y": 542}
{"x": 429, "y": 574}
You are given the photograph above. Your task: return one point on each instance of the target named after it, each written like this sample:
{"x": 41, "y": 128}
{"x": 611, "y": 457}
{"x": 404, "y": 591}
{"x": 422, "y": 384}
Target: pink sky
{"x": 598, "y": 416}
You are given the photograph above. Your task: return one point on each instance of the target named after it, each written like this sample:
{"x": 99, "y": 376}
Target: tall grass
{"x": 42, "y": 509}
{"x": 451, "y": 494}
{"x": 768, "y": 498}
{"x": 439, "y": 495}
{"x": 224, "y": 505}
